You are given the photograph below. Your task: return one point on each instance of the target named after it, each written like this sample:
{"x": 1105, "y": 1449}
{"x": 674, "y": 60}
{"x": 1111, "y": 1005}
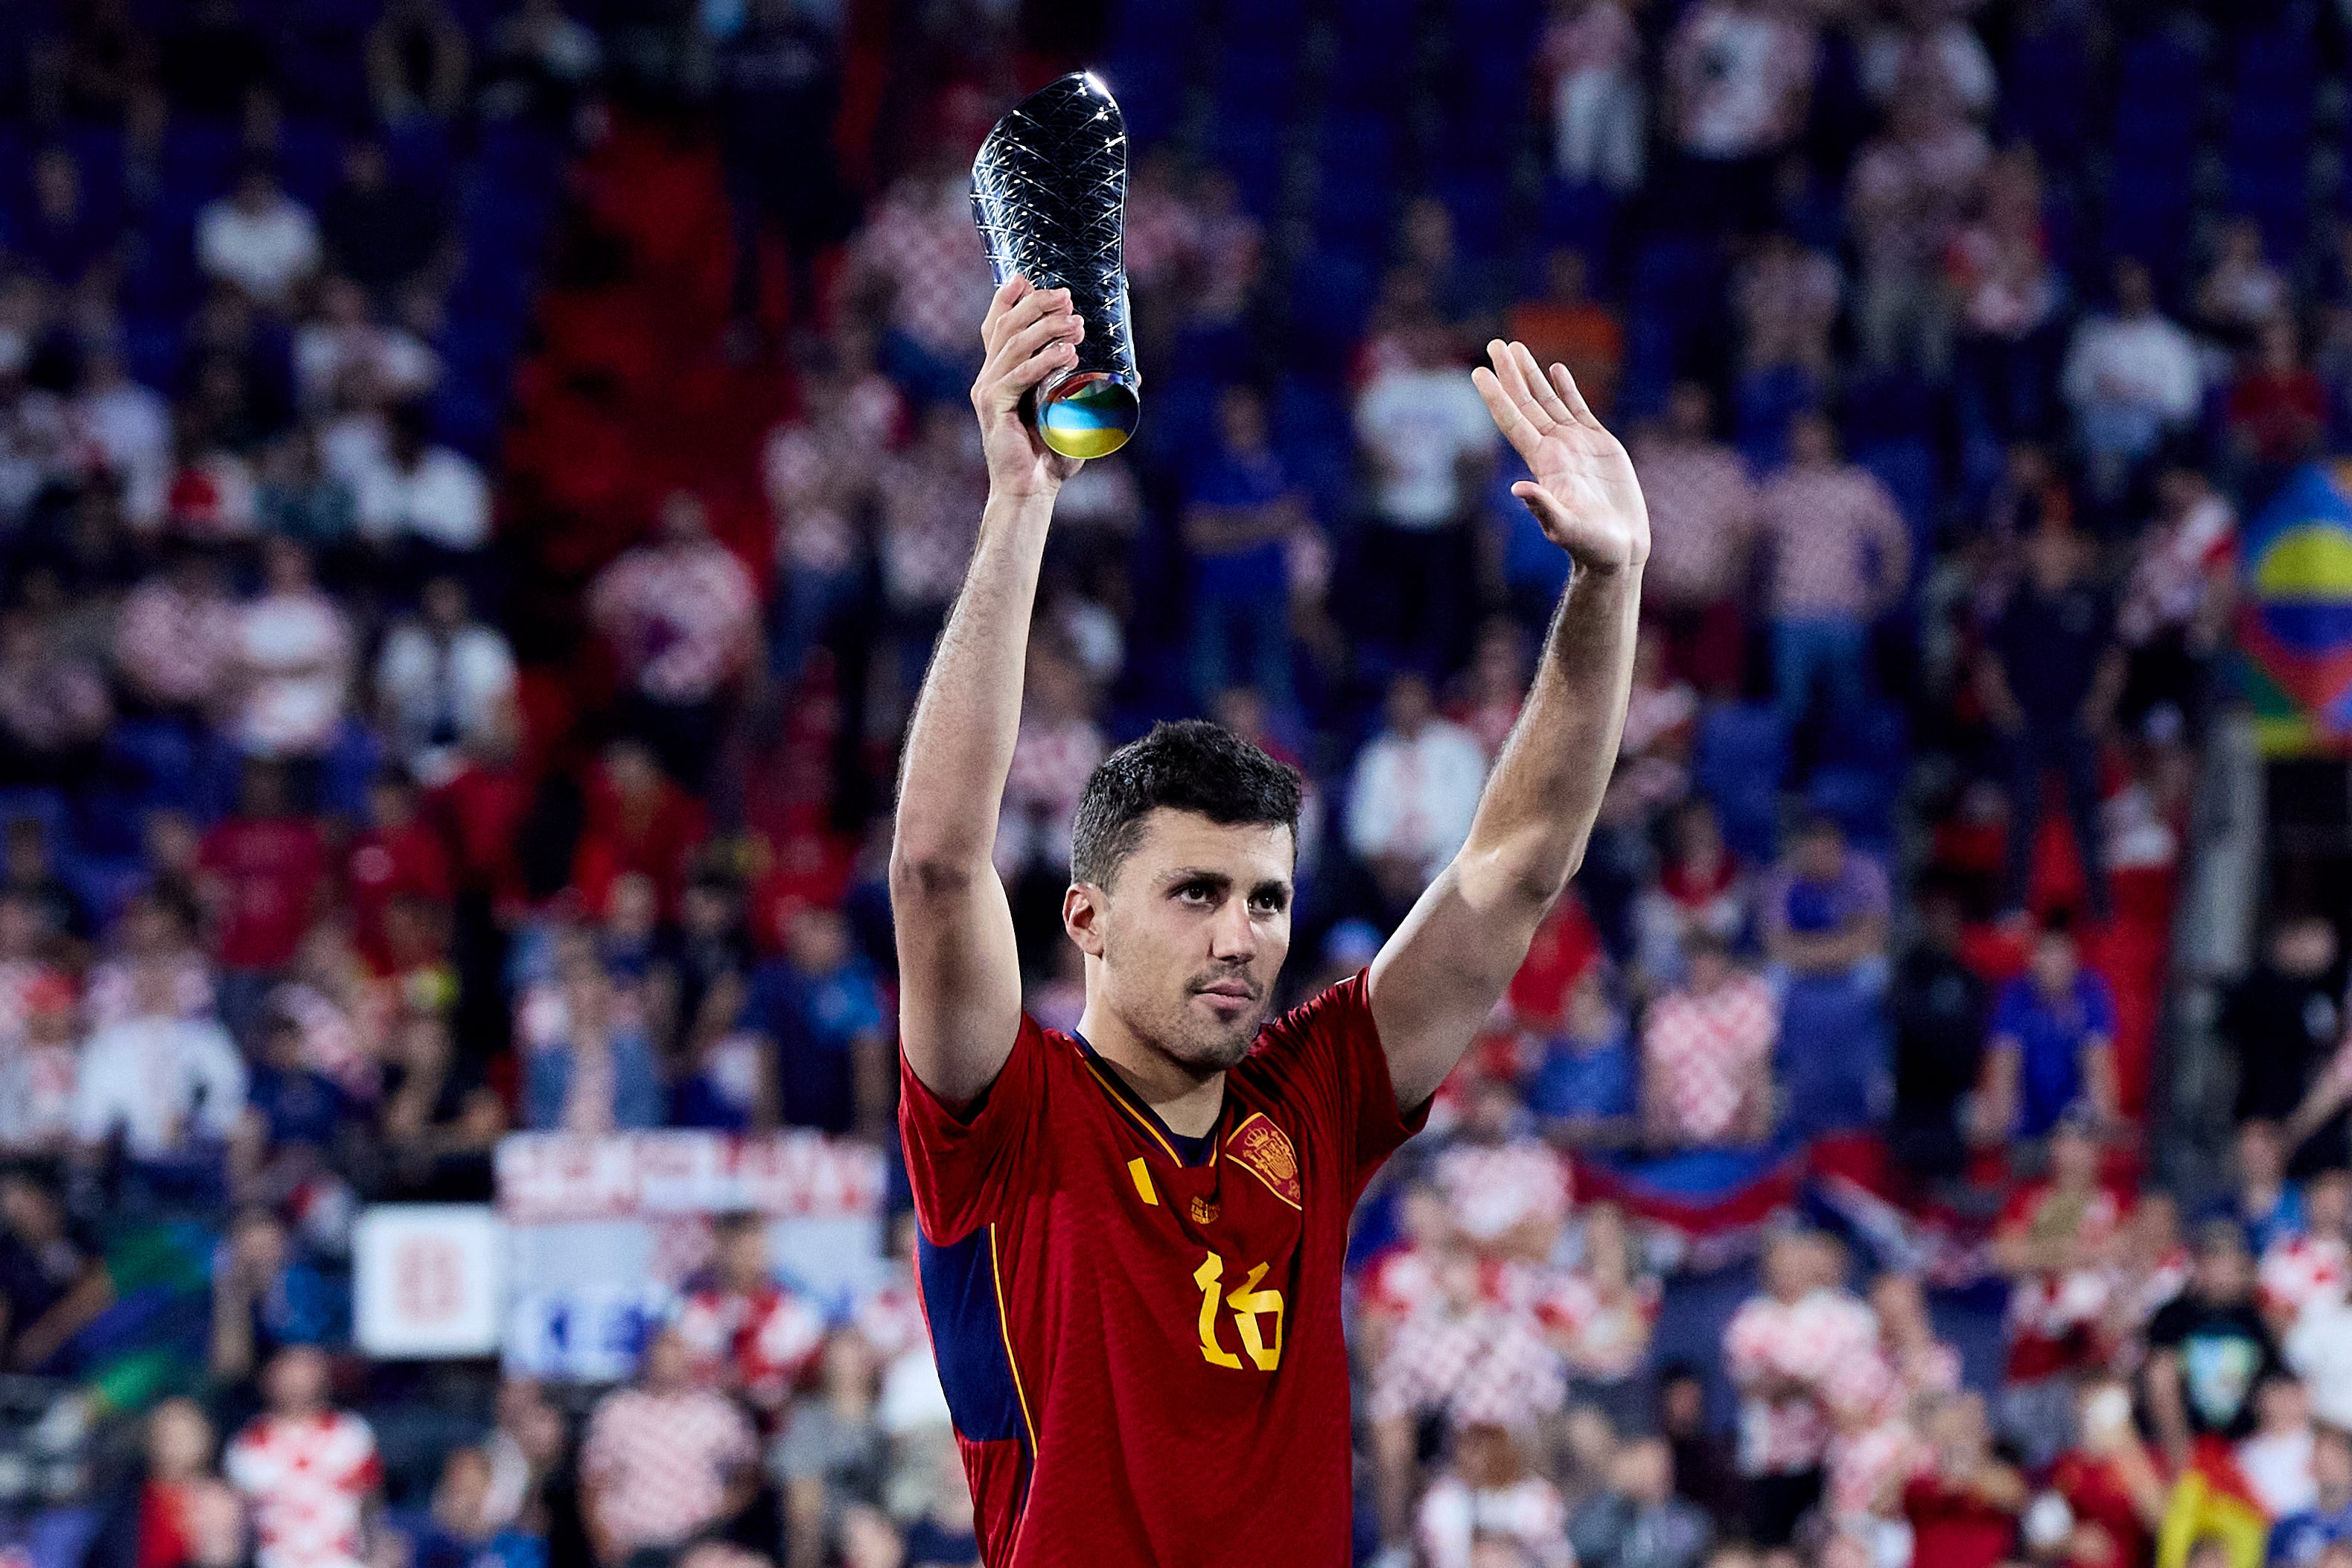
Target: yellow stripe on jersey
{"x": 1142, "y": 1175}
{"x": 1005, "y": 1327}
{"x": 1134, "y": 1115}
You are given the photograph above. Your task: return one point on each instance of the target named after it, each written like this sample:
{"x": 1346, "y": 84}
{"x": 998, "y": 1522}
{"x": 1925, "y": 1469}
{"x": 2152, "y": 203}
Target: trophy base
{"x": 1088, "y": 415}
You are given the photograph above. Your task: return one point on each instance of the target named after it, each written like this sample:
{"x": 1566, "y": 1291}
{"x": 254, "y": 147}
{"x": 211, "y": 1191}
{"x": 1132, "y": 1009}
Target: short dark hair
{"x": 1192, "y": 765}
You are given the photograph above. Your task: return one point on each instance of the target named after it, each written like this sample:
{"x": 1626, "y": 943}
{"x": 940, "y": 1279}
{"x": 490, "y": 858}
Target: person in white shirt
{"x": 2277, "y": 1458}
{"x": 1428, "y": 444}
{"x": 345, "y": 341}
{"x": 259, "y": 238}
{"x": 442, "y": 679}
{"x": 2130, "y": 378}
{"x": 1416, "y": 786}
{"x": 129, "y": 428}
{"x": 421, "y": 494}
{"x": 158, "y": 1078}
{"x": 295, "y": 649}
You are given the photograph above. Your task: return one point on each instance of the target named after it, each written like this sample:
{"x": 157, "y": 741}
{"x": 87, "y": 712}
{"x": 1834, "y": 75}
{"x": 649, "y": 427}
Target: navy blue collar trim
{"x": 1188, "y": 1150}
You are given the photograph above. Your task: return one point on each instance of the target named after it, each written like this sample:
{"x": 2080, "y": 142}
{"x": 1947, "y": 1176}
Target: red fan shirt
{"x": 1143, "y": 1353}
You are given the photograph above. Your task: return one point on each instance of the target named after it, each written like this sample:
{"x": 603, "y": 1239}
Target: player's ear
{"x": 1082, "y": 911}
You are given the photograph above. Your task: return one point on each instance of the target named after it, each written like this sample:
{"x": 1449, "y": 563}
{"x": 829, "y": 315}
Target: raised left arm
{"x": 1437, "y": 978}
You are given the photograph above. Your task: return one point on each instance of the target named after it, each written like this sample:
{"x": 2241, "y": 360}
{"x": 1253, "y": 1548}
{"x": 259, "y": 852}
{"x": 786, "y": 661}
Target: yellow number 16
{"x": 1247, "y": 1302}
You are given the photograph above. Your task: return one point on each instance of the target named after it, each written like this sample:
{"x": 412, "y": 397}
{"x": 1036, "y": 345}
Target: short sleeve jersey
{"x": 1143, "y": 1352}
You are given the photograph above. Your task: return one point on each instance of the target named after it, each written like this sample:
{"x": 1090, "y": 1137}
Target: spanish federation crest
{"x": 1264, "y": 1150}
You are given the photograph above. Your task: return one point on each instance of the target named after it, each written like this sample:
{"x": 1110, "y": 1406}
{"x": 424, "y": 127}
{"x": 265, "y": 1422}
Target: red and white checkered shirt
{"x": 309, "y": 1481}
{"x": 681, "y": 618}
{"x": 660, "y": 1462}
{"x": 1804, "y": 1340}
{"x": 760, "y": 1342}
{"x": 923, "y": 241}
{"x": 2299, "y": 1273}
{"x": 1710, "y": 1053}
{"x": 174, "y": 648}
{"x": 1602, "y": 1334}
{"x": 1492, "y": 1188}
{"x": 1840, "y": 547}
{"x": 1488, "y": 1365}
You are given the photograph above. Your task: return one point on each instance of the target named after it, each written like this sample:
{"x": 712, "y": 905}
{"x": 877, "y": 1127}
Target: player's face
{"x": 1189, "y": 937}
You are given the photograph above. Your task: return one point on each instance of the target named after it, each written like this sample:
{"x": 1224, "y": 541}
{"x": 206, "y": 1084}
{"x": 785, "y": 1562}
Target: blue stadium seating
{"x": 1742, "y": 755}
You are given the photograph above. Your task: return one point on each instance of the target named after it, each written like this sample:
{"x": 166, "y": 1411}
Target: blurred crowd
{"x": 333, "y": 856}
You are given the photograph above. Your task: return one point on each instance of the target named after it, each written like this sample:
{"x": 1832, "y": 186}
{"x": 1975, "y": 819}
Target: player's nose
{"x": 1233, "y": 935}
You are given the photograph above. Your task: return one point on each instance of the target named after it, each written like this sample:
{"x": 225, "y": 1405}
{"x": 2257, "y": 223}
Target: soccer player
{"x": 1132, "y": 1237}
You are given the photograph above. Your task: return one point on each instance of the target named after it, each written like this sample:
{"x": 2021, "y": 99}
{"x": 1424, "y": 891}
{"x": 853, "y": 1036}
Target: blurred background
{"x": 478, "y": 483}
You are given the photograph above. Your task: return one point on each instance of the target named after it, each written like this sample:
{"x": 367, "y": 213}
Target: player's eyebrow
{"x": 1187, "y": 876}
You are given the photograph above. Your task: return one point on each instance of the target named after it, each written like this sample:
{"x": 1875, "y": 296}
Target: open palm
{"x": 1584, "y": 494}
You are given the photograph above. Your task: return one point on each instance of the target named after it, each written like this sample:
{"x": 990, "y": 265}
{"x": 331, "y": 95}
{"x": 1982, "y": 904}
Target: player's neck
{"x": 1186, "y": 1102}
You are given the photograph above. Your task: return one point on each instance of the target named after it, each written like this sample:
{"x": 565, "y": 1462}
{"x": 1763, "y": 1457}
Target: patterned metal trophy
{"x": 1049, "y": 193}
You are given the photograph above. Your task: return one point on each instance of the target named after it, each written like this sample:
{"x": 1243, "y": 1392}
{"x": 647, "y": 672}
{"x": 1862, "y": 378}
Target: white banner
{"x": 546, "y": 1178}
{"x": 427, "y": 1280}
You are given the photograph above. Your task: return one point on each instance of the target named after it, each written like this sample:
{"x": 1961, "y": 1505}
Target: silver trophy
{"x": 1049, "y": 193}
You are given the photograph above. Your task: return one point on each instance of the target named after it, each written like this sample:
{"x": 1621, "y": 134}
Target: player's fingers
{"x": 1036, "y": 368}
{"x": 1545, "y": 393}
{"x": 1025, "y": 309}
{"x": 1059, "y": 327}
{"x": 1573, "y": 395}
{"x": 1008, "y": 293}
{"x": 1507, "y": 415}
{"x": 1559, "y": 525}
{"x": 1514, "y": 378}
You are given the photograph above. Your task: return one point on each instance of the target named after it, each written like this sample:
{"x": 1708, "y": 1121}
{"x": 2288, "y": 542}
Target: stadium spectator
{"x": 258, "y": 239}
{"x": 831, "y": 1454}
{"x": 1964, "y": 1509}
{"x": 265, "y": 1298}
{"x": 2131, "y": 377}
{"x": 919, "y": 249}
{"x": 1427, "y": 443}
{"x": 540, "y": 62}
{"x": 2276, "y": 1459}
{"x": 1590, "y": 56}
{"x": 1906, "y": 197}
{"x": 1706, "y": 1054}
{"x": 1415, "y": 788}
{"x": 379, "y": 230}
{"x": 2052, "y": 1046}
{"x": 129, "y": 424}
{"x": 681, "y": 614}
{"x": 2243, "y": 292}
{"x": 295, "y": 649}
{"x": 2277, "y": 409}
{"x": 1241, "y": 512}
{"x": 598, "y": 1072}
{"x": 663, "y": 1459}
{"x": 1840, "y": 556}
{"x": 748, "y": 1334}
{"x": 143, "y": 1519}
{"x": 176, "y": 639}
{"x": 1939, "y": 1007}
{"x": 1600, "y": 1316}
{"x": 416, "y": 62}
{"x": 1824, "y": 909}
{"x": 2178, "y": 600}
{"x": 1461, "y": 1358}
{"x": 444, "y": 676}
{"x": 40, "y": 1071}
{"x": 2210, "y": 1349}
{"x": 1585, "y": 1093}
{"x": 1779, "y": 1349}
{"x": 1565, "y": 325}
{"x": 308, "y": 1469}
{"x": 54, "y": 707}
{"x": 2046, "y": 1234}
{"x": 1738, "y": 78}
{"x": 1702, "y": 517}
{"x": 53, "y": 1284}
{"x": 1490, "y": 1494}
{"x": 2049, "y": 678}
{"x": 2324, "y": 1518}
{"x": 820, "y": 1009}
{"x": 165, "y": 1083}
{"x": 1507, "y": 1189}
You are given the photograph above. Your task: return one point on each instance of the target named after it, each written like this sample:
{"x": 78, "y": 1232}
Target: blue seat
{"x": 2047, "y": 92}
{"x": 310, "y": 159}
{"x": 198, "y": 157}
{"x": 1330, "y": 301}
{"x": 1908, "y": 468}
{"x": 1874, "y": 739}
{"x": 48, "y": 807}
{"x": 1741, "y": 756}
{"x": 1860, "y": 800}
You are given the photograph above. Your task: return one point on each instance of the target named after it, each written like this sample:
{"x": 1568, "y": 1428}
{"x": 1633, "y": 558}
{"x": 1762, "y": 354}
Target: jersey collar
{"x": 1200, "y": 1151}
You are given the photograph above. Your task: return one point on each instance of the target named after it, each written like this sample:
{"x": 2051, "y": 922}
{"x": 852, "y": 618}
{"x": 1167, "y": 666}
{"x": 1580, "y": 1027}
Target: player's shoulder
{"x": 1341, "y": 1014}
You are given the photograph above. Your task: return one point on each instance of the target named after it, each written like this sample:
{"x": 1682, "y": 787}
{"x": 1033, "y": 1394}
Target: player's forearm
{"x": 1537, "y": 813}
{"x": 960, "y": 746}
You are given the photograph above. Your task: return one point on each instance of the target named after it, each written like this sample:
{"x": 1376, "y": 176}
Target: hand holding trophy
{"x": 1049, "y": 193}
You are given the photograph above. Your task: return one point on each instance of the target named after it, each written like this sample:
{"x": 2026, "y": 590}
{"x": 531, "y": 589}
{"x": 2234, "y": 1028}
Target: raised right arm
{"x": 960, "y": 973}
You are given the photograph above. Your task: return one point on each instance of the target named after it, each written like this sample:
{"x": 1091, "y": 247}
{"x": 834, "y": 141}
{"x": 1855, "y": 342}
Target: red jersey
{"x": 387, "y": 863}
{"x": 1144, "y": 1354}
{"x": 270, "y": 872}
